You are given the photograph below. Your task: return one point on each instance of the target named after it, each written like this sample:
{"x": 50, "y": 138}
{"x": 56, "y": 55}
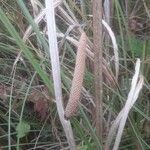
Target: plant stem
{"x": 97, "y": 40}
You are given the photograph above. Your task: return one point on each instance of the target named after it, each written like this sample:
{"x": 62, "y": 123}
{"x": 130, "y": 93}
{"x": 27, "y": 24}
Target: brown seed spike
{"x": 77, "y": 78}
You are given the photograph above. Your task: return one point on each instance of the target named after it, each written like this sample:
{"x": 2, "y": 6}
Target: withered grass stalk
{"x": 97, "y": 40}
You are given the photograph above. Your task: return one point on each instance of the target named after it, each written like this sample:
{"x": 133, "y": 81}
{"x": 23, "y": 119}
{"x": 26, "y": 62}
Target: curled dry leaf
{"x": 77, "y": 78}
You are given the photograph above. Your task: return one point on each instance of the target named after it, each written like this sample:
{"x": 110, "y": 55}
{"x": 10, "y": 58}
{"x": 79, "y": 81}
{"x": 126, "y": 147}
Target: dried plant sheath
{"x": 77, "y": 78}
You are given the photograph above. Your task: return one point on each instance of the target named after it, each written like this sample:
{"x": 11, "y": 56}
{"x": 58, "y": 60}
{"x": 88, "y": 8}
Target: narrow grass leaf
{"x": 56, "y": 71}
{"x": 40, "y": 38}
{"x": 92, "y": 132}
{"x": 29, "y": 55}
{"x": 126, "y": 112}
{"x": 113, "y": 38}
{"x": 38, "y": 19}
{"x": 120, "y": 121}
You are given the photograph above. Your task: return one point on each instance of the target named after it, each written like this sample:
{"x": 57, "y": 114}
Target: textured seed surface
{"x": 77, "y": 78}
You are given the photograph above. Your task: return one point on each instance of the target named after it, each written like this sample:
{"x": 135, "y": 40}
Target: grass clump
{"x": 29, "y": 116}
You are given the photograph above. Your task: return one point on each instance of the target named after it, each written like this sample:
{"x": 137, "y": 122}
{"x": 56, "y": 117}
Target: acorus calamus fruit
{"x": 76, "y": 87}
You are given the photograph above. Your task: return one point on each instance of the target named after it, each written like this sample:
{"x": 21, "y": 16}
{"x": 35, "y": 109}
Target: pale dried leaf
{"x": 120, "y": 121}
{"x": 53, "y": 51}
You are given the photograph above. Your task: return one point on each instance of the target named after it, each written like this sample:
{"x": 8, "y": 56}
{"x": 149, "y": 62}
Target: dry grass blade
{"x": 136, "y": 86}
{"x": 70, "y": 21}
{"x": 112, "y": 36}
{"x": 38, "y": 18}
{"x": 35, "y": 7}
{"x": 90, "y": 54}
{"x": 77, "y": 78}
{"x": 120, "y": 121}
{"x": 56, "y": 71}
{"x": 107, "y": 8}
{"x": 146, "y": 8}
{"x": 70, "y": 28}
{"x": 107, "y": 72}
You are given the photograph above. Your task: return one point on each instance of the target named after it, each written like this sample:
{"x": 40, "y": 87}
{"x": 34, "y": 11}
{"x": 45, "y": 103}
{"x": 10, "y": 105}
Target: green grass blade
{"x": 93, "y": 134}
{"x": 29, "y": 55}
